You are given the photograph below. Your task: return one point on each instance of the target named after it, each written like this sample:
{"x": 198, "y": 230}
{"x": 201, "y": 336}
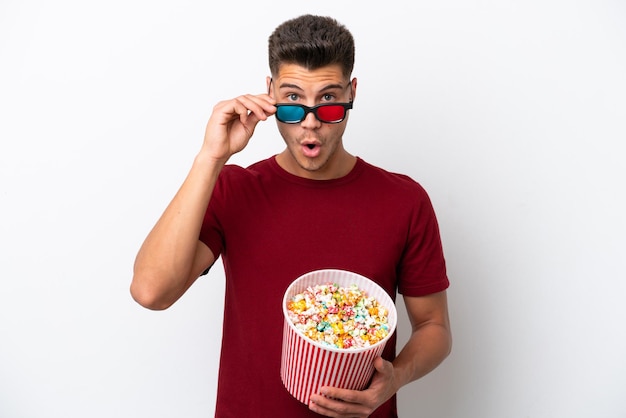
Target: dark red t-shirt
{"x": 270, "y": 227}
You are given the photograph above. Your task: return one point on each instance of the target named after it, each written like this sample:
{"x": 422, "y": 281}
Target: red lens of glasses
{"x": 331, "y": 113}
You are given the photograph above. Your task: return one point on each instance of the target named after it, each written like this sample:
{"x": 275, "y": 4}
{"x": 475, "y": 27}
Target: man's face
{"x": 314, "y": 148}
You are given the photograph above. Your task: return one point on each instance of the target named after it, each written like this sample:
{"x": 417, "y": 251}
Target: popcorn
{"x": 342, "y": 317}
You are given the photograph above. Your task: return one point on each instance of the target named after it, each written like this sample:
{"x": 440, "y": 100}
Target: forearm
{"x": 165, "y": 261}
{"x": 427, "y": 347}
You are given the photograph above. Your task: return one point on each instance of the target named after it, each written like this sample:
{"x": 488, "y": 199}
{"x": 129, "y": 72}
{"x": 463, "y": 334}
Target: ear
{"x": 268, "y": 83}
{"x": 353, "y": 83}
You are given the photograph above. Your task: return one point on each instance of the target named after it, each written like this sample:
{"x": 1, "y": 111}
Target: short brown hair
{"x": 311, "y": 42}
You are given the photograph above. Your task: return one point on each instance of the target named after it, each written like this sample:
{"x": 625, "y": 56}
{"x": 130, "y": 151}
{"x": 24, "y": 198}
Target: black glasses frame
{"x": 313, "y": 109}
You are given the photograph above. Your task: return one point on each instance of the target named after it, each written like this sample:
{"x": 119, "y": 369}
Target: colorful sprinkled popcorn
{"x": 343, "y": 317}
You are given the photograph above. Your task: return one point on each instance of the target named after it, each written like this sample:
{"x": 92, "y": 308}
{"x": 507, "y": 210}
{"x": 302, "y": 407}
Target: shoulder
{"x": 236, "y": 183}
{"x": 237, "y": 173}
{"x": 396, "y": 182}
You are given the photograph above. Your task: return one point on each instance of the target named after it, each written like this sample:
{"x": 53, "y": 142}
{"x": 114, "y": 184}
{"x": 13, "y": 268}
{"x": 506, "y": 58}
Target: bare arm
{"x": 431, "y": 338}
{"x": 429, "y": 344}
{"x": 172, "y": 257}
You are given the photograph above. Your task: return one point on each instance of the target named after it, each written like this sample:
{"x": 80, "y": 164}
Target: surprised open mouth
{"x": 311, "y": 150}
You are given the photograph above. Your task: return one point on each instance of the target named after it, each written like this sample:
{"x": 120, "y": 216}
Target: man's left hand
{"x": 335, "y": 402}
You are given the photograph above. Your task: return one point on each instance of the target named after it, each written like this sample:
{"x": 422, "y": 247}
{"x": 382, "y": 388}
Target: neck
{"x": 339, "y": 165}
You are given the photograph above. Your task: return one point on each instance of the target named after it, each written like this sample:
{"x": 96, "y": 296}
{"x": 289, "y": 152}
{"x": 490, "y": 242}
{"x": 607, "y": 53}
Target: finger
{"x": 336, "y": 408}
{"x": 343, "y": 395}
{"x": 261, "y": 106}
{"x": 241, "y": 107}
{"x": 227, "y": 111}
{"x": 383, "y": 366}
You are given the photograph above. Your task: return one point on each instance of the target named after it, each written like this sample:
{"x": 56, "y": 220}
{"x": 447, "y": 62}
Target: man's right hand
{"x": 232, "y": 124}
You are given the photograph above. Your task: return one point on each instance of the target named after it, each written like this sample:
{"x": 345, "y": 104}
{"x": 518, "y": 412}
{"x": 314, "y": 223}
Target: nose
{"x": 310, "y": 121}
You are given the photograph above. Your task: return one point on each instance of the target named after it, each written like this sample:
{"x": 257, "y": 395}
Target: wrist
{"x": 207, "y": 160}
{"x": 206, "y": 169}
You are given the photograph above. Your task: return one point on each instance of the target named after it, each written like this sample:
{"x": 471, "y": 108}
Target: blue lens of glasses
{"x": 290, "y": 114}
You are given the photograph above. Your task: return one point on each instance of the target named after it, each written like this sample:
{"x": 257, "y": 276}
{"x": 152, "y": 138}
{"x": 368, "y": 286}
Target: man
{"x": 312, "y": 206}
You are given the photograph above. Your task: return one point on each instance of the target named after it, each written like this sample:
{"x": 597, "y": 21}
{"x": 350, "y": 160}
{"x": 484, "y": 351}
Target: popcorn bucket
{"x": 307, "y": 365}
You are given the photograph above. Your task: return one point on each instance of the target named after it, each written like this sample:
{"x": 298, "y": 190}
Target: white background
{"x": 511, "y": 115}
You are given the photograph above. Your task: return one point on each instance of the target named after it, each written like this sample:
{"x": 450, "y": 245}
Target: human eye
{"x": 328, "y": 97}
{"x": 293, "y": 97}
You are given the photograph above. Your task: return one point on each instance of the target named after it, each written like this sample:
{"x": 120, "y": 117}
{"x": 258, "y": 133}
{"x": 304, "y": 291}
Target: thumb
{"x": 383, "y": 366}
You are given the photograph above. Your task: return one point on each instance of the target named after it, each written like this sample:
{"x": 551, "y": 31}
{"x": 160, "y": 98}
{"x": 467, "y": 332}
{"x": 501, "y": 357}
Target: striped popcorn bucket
{"x": 307, "y": 365}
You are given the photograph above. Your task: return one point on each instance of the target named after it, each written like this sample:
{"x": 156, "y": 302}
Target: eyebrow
{"x": 296, "y": 87}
